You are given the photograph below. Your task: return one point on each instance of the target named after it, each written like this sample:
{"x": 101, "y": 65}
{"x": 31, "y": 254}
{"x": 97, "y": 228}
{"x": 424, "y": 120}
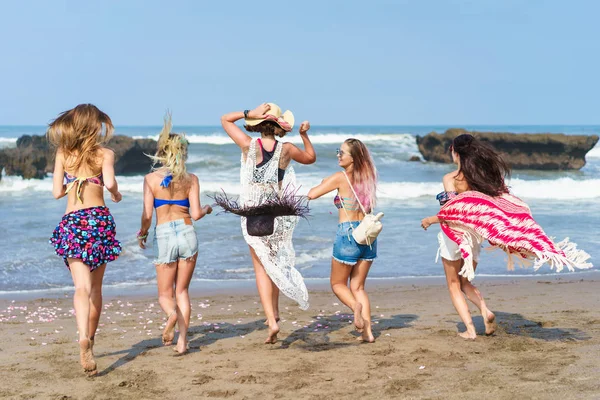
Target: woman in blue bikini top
{"x": 175, "y": 195}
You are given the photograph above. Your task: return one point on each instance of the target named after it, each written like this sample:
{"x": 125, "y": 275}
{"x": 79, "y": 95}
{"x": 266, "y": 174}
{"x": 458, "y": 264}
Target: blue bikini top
{"x": 161, "y": 202}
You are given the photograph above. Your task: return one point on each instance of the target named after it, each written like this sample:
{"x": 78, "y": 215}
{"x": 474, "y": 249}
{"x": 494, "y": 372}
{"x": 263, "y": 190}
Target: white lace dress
{"x": 275, "y": 251}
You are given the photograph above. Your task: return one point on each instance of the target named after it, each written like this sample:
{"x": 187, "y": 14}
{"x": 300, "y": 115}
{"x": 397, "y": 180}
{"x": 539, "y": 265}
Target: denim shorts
{"x": 345, "y": 248}
{"x": 174, "y": 240}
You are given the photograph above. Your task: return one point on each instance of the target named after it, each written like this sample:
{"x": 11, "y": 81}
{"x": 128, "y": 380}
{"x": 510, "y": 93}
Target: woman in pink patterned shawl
{"x": 477, "y": 207}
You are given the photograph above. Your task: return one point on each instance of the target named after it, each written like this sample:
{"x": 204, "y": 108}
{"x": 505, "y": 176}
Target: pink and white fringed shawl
{"x": 505, "y": 222}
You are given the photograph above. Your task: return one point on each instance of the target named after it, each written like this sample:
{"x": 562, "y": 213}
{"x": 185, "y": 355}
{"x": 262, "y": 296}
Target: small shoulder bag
{"x": 366, "y": 232}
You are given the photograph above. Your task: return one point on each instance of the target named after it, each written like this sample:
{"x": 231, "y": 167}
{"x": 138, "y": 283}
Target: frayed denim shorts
{"x": 345, "y": 248}
{"x": 174, "y": 240}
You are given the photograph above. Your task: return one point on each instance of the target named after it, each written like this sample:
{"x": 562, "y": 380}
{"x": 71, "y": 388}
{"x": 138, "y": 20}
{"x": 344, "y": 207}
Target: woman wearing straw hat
{"x": 268, "y": 205}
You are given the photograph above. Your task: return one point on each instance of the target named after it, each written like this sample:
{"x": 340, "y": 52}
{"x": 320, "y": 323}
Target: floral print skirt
{"x": 88, "y": 235}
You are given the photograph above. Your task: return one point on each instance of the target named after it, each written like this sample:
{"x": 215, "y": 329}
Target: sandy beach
{"x": 546, "y": 347}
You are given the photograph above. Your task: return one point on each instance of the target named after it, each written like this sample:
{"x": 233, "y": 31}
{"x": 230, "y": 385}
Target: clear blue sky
{"x": 332, "y": 62}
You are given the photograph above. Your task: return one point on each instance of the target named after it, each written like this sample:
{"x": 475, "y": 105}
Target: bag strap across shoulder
{"x": 355, "y": 195}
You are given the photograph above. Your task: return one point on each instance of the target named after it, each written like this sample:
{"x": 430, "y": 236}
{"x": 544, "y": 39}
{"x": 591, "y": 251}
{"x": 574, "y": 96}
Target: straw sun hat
{"x": 284, "y": 120}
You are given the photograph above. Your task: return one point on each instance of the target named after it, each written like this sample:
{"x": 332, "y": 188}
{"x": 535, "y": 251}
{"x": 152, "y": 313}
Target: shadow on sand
{"x": 211, "y": 335}
{"x": 315, "y": 337}
{"x": 516, "y": 324}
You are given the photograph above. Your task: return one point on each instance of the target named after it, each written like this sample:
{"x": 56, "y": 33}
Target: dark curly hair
{"x": 480, "y": 165}
{"x": 268, "y": 128}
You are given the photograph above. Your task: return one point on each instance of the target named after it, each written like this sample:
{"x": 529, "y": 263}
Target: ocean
{"x": 565, "y": 203}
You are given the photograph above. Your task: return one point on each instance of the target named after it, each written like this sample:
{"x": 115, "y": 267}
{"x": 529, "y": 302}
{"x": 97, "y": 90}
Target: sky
{"x": 420, "y": 62}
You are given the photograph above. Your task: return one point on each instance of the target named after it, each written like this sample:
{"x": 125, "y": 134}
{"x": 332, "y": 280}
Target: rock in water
{"x": 541, "y": 151}
{"x": 34, "y": 157}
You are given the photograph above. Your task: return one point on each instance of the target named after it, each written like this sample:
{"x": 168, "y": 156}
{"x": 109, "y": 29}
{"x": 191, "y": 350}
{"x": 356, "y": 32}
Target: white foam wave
{"x": 549, "y": 189}
{"x": 594, "y": 153}
{"x": 239, "y": 270}
{"x": 556, "y": 189}
{"x": 319, "y": 138}
{"x": 306, "y": 258}
{"x": 7, "y": 142}
{"x": 18, "y": 184}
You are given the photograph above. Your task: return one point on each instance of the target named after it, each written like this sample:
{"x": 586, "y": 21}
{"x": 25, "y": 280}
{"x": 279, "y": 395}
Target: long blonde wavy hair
{"x": 171, "y": 151}
{"x": 78, "y": 133}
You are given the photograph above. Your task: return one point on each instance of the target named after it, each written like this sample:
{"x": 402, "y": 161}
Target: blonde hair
{"x": 171, "y": 151}
{"x": 78, "y": 133}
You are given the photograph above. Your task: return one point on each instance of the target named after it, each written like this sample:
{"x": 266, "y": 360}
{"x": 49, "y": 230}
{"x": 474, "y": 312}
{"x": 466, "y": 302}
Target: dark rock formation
{"x": 34, "y": 157}
{"x": 541, "y": 151}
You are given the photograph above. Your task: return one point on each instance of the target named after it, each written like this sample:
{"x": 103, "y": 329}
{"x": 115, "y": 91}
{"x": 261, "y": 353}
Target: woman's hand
{"x": 141, "y": 237}
{"x": 116, "y": 197}
{"x": 207, "y": 209}
{"x": 426, "y": 223}
{"x": 259, "y": 112}
{"x": 304, "y": 127}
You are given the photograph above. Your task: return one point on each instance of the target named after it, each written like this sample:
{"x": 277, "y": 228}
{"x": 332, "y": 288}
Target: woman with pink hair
{"x": 356, "y": 186}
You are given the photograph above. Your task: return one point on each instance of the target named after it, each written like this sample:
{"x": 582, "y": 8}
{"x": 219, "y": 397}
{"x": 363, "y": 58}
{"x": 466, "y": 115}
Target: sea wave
{"x": 549, "y": 189}
{"x": 8, "y": 142}
{"x": 237, "y": 283}
{"x": 317, "y": 138}
{"x": 594, "y": 153}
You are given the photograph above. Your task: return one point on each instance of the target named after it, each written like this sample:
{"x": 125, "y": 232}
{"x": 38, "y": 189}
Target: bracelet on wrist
{"x": 246, "y": 113}
{"x": 140, "y": 236}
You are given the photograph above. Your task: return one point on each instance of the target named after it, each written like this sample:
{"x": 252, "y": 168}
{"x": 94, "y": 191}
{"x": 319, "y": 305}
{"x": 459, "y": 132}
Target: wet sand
{"x": 546, "y": 347}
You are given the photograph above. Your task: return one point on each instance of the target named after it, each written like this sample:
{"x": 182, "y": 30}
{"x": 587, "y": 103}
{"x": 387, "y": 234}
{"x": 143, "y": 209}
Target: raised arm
{"x": 328, "y": 184}
{"x": 147, "y": 210}
{"x": 235, "y": 133}
{"x": 58, "y": 187}
{"x": 308, "y": 155}
{"x": 108, "y": 174}
{"x": 448, "y": 181}
{"x": 196, "y": 209}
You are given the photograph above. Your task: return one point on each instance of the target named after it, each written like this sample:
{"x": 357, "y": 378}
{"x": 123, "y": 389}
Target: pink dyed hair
{"x": 364, "y": 177}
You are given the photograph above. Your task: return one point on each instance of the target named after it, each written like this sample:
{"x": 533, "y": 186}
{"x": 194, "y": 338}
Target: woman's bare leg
{"x": 95, "y": 302}
{"x": 358, "y": 276}
{"x": 82, "y": 279}
{"x": 264, "y": 284}
{"x": 339, "y": 284}
{"x": 451, "y": 269}
{"x": 475, "y": 297}
{"x": 185, "y": 271}
{"x": 275, "y": 300}
{"x": 165, "y": 280}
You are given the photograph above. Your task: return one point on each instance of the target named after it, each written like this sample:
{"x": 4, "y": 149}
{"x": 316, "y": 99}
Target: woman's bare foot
{"x": 489, "y": 320}
{"x": 273, "y": 331}
{"x": 92, "y": 345}
{"x": 359, "y": 322}
{"x": 467, "y": 335}
{"x": 181, "y": 348}
{"x": 169, "y": 332}
{"x": 86, "y": 357}
{"x": 367, "y": 334}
